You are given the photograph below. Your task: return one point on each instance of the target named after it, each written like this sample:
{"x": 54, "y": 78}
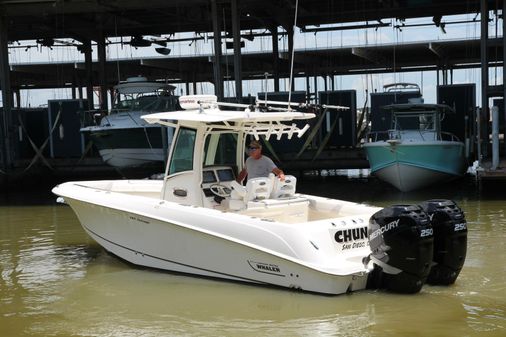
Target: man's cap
{"x": 255, "y": 143}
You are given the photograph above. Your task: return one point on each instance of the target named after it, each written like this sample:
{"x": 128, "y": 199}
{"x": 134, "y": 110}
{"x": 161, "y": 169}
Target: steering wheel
{"x": 220, "y": 190}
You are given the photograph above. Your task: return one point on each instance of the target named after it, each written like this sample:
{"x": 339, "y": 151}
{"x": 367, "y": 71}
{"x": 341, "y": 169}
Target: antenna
{"x": 293, "y": 53}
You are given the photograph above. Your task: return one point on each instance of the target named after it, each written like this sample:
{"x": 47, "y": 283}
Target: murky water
{"x": 55, "y": 281}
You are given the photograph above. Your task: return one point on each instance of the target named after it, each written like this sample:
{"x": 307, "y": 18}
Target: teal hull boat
{"x": 415, "y": 153}
{"x": 413, "y": 165}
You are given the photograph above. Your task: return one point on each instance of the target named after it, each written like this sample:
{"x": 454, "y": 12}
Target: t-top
{"x": 260, "y": 167}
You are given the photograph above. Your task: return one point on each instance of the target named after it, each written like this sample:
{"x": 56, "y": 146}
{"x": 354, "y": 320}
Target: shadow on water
{"x": 25, "y": 189}
{"x": 356, "y": 188}
{"x": 371, "y": 190}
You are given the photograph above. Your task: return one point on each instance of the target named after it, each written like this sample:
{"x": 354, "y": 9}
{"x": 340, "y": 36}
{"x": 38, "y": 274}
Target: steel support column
{"x": 102, "y": 75}
{"x": 275, "y": 58}
{"x": 88, "y": 64}
{"x": 218, "y": 78}
{"x": 290, "y": 52}
{"x": 17, "y": 95}
{"x": 484, "y": 73}
{"x": 503, "y": 64}
{"x": 5, "y": 83}
{"x": 236, "y": 31}
{"x": 315, "y": 90}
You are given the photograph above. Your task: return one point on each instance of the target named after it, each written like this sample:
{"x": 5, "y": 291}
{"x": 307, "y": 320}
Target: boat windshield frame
{"x": 432, "y": 120}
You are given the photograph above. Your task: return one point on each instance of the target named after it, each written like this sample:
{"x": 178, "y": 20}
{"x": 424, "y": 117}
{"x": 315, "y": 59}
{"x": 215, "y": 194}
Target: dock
{"x": 230, "y": 26}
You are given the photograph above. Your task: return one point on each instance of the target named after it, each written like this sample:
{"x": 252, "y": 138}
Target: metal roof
{"x": 89, "y": 19}
{"x": 83, "y": 20}
{"x": 417, "y": 56}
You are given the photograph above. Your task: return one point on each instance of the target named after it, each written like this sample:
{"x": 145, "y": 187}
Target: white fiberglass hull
{"x": 201, "y": 241}
{"x": 131, "y": 157}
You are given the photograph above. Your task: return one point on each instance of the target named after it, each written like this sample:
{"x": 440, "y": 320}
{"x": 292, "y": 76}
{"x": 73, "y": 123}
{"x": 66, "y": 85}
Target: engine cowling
{"x": 401, "y": 240}
{"x": 450, "y": 240}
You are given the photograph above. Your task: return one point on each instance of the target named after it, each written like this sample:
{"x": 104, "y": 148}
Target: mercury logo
{"x": 351, "y": 234}
{"x": 386, "y": 228}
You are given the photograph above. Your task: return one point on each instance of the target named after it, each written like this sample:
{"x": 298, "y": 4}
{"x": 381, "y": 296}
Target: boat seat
{"x": 238, "y": 190}
{"x": 283, "y": 189}
{"x": 258, "y": 189}
{"x": 236, "y": 200}
{"x": 255, "y": 189}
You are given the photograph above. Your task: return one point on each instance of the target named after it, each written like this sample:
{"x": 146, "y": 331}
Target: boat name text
{"x": 352, "y": 234}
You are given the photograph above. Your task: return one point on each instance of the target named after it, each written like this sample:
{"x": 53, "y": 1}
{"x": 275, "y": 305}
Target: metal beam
{"x": 504, "y": 58}
{"x": 89, "y": 72}
{"x": 5, "y": 82}
{"x": 102, "y": 73}
{"x": 275, "y": 58}
{"x": 370, "y": 55}
{"x": 484, "y": 74}
{"x": 236, "y": 31}
{"x": 218, "y": 78}
{"x": 438, "y": 50}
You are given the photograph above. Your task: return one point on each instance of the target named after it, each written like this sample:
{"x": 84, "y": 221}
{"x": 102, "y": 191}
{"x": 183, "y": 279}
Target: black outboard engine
{"x": 401, "y": 241}
{"x": 450, "y": 240}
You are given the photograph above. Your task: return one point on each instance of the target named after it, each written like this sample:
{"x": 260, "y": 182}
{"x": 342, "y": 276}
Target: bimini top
{"x": 141, "y": 85}
{"x": 419, "y": 107}
{"x": 205, "y": 109}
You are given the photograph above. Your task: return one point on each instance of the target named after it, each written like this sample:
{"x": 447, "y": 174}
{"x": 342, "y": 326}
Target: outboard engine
{"x": 450, "y": 240}
{"x": 401, "y": 241}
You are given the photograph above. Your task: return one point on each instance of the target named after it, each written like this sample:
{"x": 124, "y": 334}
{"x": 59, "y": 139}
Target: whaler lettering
{"x": 351, "y": 234}
{"x": 384, "y": 229}
{"x": 268, "y": 268}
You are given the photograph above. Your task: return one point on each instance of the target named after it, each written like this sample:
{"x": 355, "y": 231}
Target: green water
{"x": 56, "y": 281}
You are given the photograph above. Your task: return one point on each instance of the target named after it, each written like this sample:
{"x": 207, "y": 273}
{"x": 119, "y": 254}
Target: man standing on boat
{"x": 257, "y": 165}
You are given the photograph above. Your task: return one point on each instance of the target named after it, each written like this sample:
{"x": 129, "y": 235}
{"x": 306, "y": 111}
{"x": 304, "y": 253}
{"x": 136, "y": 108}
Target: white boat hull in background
{"x": 132, "y": 157}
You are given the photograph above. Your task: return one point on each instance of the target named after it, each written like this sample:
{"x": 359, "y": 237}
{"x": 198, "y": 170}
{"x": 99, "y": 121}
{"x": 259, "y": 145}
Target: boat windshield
{"x": 182, "y": 155}
{"x": 221, "y": 149}
{"x": 415, "y": 121}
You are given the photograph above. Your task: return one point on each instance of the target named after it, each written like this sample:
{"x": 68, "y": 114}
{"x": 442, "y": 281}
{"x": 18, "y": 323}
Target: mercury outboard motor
{"x": 402, "y": 248}
{"x": 450, "y": 240}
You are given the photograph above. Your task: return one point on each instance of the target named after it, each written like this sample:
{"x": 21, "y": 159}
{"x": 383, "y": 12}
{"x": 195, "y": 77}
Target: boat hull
{"x": 129, "y": 147}
{"x": 131, "y": 157}
{"x": 202, "y": 242}
{"x": 413, "y": 165}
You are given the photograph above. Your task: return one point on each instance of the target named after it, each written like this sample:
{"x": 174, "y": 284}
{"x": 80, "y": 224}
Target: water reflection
{"x": 56, "y": 281}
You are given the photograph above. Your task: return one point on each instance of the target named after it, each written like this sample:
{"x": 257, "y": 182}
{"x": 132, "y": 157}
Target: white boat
{"x": 198, "y": 220}
{"x": 123, "y": 138}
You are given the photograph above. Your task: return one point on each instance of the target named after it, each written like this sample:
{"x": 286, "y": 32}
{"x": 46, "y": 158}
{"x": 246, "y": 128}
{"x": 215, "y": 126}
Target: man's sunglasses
{"x": 252, "y": 148}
